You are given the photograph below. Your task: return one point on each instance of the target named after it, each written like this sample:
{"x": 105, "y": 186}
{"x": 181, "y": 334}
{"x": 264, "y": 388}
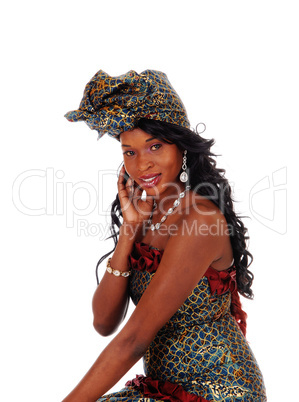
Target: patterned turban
{"x": 115, "y": 104}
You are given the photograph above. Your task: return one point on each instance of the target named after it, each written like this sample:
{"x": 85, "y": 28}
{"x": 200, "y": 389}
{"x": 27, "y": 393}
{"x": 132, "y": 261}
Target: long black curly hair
{"x": 206, "y": 180}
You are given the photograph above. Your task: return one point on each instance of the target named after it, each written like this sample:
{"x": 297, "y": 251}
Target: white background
{"x": 235, "y": 65}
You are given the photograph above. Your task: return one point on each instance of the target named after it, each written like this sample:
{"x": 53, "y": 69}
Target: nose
{"x": 144, "y": 163}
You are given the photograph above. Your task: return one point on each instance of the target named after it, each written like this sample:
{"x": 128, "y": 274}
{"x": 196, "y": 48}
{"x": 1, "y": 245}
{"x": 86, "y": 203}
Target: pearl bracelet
{"x": 116, "y": 272}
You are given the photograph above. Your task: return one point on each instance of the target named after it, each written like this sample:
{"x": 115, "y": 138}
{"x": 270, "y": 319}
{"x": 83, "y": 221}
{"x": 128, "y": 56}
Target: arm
{"x": 184, "y": 262}
{"x": 111, "y": 299}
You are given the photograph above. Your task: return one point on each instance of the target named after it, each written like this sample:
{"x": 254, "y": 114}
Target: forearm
{"x": 112, "y": 364}
{"x": 111, "y": 298}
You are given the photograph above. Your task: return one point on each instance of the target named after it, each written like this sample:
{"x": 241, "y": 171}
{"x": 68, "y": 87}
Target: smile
{"x": 150, "y": 181}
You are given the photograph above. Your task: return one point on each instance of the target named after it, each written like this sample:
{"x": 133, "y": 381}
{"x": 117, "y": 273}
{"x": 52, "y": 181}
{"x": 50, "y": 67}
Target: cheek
{"x": 128, "y": 167}
{"x": 179, "y": 165}
{"x": 173, "y": 164}
{"x": 177, "y": 162}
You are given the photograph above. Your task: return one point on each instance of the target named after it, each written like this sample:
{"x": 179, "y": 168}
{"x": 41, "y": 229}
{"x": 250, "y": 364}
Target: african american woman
{"x": 180, "y": 255}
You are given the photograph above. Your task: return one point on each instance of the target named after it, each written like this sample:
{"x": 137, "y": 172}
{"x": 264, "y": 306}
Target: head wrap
{"x": 115, "y": 104}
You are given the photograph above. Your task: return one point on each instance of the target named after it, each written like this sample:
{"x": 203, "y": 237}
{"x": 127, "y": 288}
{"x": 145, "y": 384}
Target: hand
{"x": 134, "y": 209}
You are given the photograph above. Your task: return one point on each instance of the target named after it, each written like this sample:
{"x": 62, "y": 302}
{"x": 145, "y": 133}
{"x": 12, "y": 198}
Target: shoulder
{"x": 201, "y": 229}
{"x": 201, "y": 216}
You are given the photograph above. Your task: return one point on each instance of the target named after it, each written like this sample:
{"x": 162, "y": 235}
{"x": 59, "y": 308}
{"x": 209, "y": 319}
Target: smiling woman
{"x": 188, "y": 324}
{"x": 153, "y": 165}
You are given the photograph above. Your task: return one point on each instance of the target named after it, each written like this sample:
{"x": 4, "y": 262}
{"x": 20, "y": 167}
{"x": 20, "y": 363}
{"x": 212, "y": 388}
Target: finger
{"x": 137, "y": 191}
{"x": 121, "y": 177}
{"x": 144, "y": 207}
{"x": 130, "y": 187}
{"x": 123, "y": 181}
{"x": 123, "y": 189}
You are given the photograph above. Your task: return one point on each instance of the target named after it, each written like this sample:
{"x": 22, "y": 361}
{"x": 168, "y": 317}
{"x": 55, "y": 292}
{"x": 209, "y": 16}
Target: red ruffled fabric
{"x": 163, "y": 390}
{"x": 145, "y": 258}
{"x": 222, "y": 281}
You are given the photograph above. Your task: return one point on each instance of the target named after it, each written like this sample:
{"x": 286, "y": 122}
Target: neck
{"x": 167, "y": 206}
{"x": 165, "y": 200}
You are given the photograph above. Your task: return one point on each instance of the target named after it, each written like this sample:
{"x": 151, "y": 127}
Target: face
{"x": 152, "y": 163}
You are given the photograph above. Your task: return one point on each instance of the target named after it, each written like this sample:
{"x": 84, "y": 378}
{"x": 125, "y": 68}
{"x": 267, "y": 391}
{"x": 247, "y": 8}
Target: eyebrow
{"x": 150, "y": 139}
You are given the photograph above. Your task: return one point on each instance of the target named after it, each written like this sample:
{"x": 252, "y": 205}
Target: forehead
{"x": 135, "y": 137}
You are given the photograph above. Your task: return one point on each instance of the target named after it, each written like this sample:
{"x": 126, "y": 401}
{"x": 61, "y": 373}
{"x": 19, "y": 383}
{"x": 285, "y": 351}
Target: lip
{"x": 152, "y": 183}
{"x": 148, "y": 176}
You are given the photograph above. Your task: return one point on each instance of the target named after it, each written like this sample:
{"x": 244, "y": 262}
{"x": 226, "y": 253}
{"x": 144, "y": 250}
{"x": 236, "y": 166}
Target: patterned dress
{"x": 201, "y": 353}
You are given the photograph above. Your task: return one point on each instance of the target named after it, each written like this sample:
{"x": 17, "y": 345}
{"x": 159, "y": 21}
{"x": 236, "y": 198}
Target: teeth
{"x": 151, "y": 179}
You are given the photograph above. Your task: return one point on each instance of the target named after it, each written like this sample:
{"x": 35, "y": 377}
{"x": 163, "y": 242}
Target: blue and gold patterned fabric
{"x": 201, "y": 348}
{"x": 114, "y": 104}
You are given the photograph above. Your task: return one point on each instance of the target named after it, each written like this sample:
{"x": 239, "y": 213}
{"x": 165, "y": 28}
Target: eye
{"x": 129, "y": 153}
{"x": 155, "y": 147}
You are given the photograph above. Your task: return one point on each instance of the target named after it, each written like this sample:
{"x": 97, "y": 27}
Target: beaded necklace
{"x": 169, "y": 212}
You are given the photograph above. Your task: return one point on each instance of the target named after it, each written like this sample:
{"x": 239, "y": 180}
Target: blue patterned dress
{"x": 200, "y": 354}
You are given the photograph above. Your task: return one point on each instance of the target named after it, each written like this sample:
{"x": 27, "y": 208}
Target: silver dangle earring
{"x": 143, "y": 195}
{"x": 184, "y": 174}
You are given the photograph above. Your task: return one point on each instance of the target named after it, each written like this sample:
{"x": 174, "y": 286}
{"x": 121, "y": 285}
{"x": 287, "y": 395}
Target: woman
{"x": 180, "y": 254}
